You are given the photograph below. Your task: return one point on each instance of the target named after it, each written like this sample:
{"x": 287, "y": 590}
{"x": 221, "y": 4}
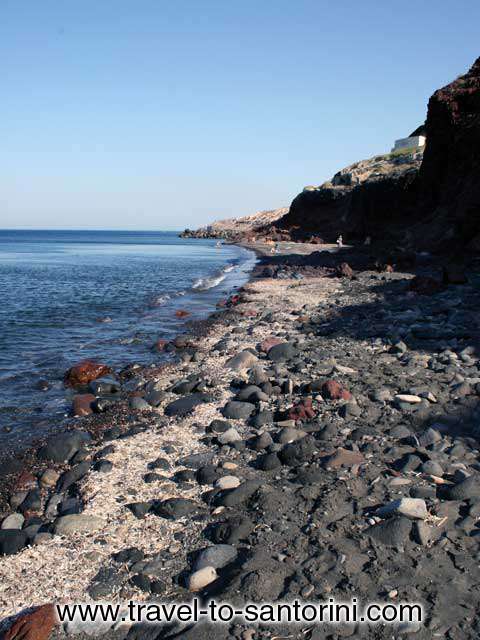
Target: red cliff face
{"x": 436, "y": 207}
{"x": 449, "y": 178}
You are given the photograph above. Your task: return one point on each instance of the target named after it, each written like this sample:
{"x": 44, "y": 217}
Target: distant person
{"x": 368, "y": 241}
{"x": 339, "y": 242}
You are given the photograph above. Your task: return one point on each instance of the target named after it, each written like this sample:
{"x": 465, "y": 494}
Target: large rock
{"x": 239, "y": 495}
{"x": 283, "y": 351}
{"x": 392, "y": 533}
{"x": 184, "y": 406}
{"x": 414, "y": 508}
{"x": 333, "y": 390}
{"x": 468, "y": 488}
{"x": 82, "y": 404}
{"x": 243, "y": 360}
{"x": 201, "y": 578}
{"x": 84, "y": 372}
{"x": 77, "y": 523}
{"x": 236, "y": 410}
{"x": 33, "y": 624}
{"x": 12, "y": 541}
{"x": 73, "y": 475}
{"x": 231, "y": 435}
{"x": 298, "y": 452}
{"x": 344, "y": 458}
{"x": 175, "y": 508}
{"x": 232, "y": 530}
{"x": 217, "y": 556}
{"x": 268, "y": 343}
{"x": 13, "y": 521}
{"x": 62, "y": 446}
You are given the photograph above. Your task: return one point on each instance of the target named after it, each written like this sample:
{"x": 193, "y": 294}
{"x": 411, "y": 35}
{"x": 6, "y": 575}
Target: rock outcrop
{"x": 396, "y": 199}
{"x": 449, "y": 180}
{"x": 237, "y": 228}
{"x": 357, "y": 201}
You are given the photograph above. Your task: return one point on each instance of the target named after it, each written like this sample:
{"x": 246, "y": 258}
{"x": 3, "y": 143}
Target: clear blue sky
{"x": 156, "y": 114}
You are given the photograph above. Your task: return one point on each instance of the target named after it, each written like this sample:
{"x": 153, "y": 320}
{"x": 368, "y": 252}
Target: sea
{"x": 108, "y": 295}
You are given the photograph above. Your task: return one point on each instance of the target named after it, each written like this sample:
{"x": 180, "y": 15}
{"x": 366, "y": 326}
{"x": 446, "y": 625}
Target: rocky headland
{"x": 235, "y": 229}
{"x": 431, "y": 205}
{"x": 422, "y": 200}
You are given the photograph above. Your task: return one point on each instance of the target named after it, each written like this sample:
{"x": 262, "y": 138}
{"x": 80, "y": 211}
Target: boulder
{"x": 227, "y": 482}
{"x": 236, "y": 410}
{"x": 468, "y": 488}
{"x": 251, "y": 393}
{"x": 34, "y": 624}
{"x": 333, "y": 390}
{"x": 77, "y": 523}
{"x": 344, "y": 458}
{"x": 268, "y": 343}
{"x": 175, "y": 508}
{"x": 239, "y": 495}
{"x": 139, "y": 404}
{"x": 232, "y": 531}
{"x": 217, "y": 556}
{"x": 13, "y": 521}
{"x": 12, "y": 541}
{"x": 392, "y": 533}
{"x": 298, "y": 452}
{"x": 201, "y": 578}
{"x": 282, "y": 351}
{"x": 243, "y": 360}
{"x": 84, "y": 372}
{"x": 62, "y": 446}
{"x": 413, "y": 508}
{"x": 186, "y": 405}
{"x": 82, "y": 404}
{"x": 231, "y": 435}
{"x": 302, "y": 411}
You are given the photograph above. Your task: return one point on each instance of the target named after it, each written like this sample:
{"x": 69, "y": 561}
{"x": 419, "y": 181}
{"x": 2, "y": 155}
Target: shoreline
{"x": 118, "y": 327}
{"x": 309, "y": 303}
{"x": 26, "y": 447}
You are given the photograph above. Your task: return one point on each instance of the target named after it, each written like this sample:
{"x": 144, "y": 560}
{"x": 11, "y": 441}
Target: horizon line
{"x": 83, "y": 229}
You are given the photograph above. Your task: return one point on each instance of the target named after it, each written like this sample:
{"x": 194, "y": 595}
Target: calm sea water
{"x": 70, "y": 295}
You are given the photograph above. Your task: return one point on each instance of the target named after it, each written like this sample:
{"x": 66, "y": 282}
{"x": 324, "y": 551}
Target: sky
{"x": 155, "y": 114}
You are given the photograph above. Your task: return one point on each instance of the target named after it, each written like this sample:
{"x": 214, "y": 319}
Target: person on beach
{"x": 339, "y": 242}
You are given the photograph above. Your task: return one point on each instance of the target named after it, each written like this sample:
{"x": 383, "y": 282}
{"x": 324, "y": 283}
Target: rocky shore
{"x": 236, "y": 229}
{"x": 316, "y": 438}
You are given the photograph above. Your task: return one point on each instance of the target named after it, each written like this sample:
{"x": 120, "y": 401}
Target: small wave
{"x": 203, "y": 284}
{"x": 208, "y": 282}
{"x": 160, "y": 300}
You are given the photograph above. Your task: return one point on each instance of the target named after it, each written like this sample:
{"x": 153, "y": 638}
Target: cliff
{"x": 237, "y": 228}
{"x": 433, "y": 204}
{"x": 449, "y": 180}
{"x": 367, "y": 198}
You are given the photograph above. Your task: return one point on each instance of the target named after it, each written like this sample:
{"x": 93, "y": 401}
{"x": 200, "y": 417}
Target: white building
{"x": 410, "y": 142}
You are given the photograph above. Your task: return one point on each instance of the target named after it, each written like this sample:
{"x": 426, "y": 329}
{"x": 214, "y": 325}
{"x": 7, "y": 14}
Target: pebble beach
{"x": 316, "y": 437}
